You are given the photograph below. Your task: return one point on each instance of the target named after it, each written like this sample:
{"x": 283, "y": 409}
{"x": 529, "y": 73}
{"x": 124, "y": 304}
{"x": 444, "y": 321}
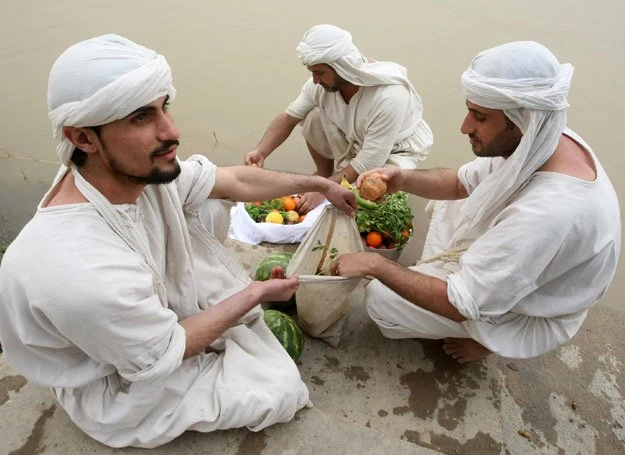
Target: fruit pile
{"x": 387, "y": 226}
{"x": 282, "y": 210}
{"x": 384, "y": 220}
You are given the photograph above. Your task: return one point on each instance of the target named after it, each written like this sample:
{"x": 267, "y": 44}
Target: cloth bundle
{"x": 134, "y": 76}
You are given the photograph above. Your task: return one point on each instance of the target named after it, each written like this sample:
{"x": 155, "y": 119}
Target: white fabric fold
{"x": 121, "y": 76}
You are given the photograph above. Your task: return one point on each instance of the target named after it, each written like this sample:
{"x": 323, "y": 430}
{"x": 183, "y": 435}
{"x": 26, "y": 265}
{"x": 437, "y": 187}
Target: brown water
{"x": 235, "y": 68}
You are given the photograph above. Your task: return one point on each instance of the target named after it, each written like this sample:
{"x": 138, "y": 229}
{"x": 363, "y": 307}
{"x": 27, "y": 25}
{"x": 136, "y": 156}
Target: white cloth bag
{"x": 322, "y": 299}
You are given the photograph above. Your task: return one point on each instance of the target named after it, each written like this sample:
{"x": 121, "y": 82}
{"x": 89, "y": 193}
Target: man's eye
{"x": 139, "y": 118}
{"x": 166, "y": 107}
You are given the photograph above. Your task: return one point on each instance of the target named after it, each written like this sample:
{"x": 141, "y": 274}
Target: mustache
{"x": 164, "y": 148}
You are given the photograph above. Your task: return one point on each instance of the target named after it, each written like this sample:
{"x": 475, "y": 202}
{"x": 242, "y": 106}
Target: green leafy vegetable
{"x": 333, "y": 252}
{"x": 392, "y": 217}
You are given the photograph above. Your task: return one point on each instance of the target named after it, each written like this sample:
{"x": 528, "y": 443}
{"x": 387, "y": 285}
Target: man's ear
{"x": 83, "y": 138}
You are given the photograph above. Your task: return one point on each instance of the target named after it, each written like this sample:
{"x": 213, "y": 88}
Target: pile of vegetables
{"x": 282, "y": 210}
{"x": 389, "y": 225}
{"x": 385, "y": 223}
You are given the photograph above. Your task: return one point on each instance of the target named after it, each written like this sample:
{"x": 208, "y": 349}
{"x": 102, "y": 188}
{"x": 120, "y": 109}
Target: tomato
{"x": 374, "y": 239}
{"x": 288, "y": 203}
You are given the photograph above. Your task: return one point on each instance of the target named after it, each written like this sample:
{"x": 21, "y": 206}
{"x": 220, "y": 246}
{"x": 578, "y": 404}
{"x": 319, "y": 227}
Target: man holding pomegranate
{"x": 522, "y": 241}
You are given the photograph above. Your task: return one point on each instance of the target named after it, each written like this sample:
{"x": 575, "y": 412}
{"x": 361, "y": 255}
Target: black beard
{"x": 158, "y": 176}
{"x": 504, "y": 145}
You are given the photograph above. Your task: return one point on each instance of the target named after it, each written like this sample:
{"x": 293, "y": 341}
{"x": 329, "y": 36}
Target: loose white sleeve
{"x": 549, "y": 253}
{"x": 83, "y": 311}
{"x": 307, "y": 100}
{"x": 196, "y": 181}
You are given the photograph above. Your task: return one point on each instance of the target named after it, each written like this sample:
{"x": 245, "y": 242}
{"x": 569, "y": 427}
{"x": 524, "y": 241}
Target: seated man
{"x": 357, "y": 114}
{"x": 523, "y": 240}
{"x": 115, "y": 295}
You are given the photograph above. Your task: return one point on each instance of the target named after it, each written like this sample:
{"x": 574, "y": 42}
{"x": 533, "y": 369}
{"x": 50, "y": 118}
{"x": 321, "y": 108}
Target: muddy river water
{"x": 235, "y": 68}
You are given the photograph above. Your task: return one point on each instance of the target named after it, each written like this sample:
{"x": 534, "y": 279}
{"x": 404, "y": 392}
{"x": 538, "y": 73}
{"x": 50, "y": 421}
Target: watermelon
{"x": 263, "y": 272}
{"x": 287, "y": 331}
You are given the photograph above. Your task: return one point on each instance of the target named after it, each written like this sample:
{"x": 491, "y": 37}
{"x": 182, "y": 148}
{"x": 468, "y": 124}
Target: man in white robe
{"x": 116, "y": 295}
{"x": 357, "y": 114}
{"x": 522, "y": 241}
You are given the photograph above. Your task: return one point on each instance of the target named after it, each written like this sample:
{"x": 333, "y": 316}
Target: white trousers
{"x": 398, "y": 318}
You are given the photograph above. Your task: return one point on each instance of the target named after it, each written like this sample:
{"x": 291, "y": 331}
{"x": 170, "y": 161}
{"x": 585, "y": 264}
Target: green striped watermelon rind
{"x": 287, "y": 331}
{"x": 263, "y": 272}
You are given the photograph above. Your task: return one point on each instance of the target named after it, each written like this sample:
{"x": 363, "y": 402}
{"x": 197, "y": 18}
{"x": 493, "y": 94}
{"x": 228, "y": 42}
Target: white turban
{"x": 526, "y": 81}
{"x": 333, "y": 46}
{"x": 100, "y": 80}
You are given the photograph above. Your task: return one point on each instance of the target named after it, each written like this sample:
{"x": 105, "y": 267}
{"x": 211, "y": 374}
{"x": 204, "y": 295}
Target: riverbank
{"x": 373, "y": 395}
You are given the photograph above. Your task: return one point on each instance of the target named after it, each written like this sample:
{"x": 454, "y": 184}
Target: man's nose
{"x": 167, "y": 128}
{"x": 467, "y": 126}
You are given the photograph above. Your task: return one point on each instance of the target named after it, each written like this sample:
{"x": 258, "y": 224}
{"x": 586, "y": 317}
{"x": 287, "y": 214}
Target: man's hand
{"x": 278, "y": 288}
{"x": 352, "y": 265}
{"x": 391, "y": 175}
{"x": 309, "y": 201}
{"x": 254, "y": 158}
{"x": 342, "y": 198}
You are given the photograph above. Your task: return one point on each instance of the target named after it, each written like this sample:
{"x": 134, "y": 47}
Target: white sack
{"x": 322, "y": 300}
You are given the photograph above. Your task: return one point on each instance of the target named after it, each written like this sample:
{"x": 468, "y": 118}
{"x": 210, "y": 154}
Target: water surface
{"x": 235, "y": 68}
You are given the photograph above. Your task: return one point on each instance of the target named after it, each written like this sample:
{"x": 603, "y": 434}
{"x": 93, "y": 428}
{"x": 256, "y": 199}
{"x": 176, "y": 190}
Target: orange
{"x": 289, "y": 203}
{"x": 374, "y": 239}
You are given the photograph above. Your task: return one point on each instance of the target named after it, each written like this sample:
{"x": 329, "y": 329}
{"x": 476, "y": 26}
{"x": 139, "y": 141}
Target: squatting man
{"x": 117, "y": 294}
{"x": 356, "y": 113}
{"x": 522, "y": 241}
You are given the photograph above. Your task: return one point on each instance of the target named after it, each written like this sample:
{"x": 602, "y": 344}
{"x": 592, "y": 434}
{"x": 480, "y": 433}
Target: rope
{"x": 451, "y": 255}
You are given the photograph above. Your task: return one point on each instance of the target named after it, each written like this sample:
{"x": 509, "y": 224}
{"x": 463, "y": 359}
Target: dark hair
{"x": 79, "y": 158}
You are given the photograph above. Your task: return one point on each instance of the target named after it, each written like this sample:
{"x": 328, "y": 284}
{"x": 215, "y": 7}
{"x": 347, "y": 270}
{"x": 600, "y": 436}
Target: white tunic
{"x": 91, "y": 298}
{"x": 527, "y": 283}
{"x": 377, "y": 122}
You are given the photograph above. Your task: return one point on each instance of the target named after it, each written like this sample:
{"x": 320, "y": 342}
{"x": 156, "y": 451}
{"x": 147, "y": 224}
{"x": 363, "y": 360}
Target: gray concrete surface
{"x": 372, "y": 395}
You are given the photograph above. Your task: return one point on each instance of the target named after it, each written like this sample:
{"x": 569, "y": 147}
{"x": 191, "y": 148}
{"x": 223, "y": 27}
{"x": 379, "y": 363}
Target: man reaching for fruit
{"x": 116, "y": 295}
{"x": 356, "y": 113}
{"x": 522, "y": 241}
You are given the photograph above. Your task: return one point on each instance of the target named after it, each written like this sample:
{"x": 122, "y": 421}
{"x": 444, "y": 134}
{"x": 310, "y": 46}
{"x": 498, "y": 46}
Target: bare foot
{"x": 465, "y": 349}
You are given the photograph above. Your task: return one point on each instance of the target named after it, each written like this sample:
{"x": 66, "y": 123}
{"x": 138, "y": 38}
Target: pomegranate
{"x": 372, "y": 187}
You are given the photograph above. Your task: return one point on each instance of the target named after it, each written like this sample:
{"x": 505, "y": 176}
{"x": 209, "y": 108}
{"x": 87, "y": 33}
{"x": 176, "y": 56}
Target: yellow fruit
{"x": 274, "y": 217}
